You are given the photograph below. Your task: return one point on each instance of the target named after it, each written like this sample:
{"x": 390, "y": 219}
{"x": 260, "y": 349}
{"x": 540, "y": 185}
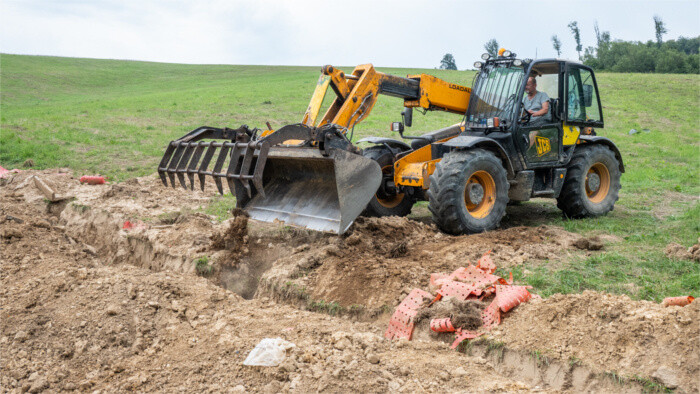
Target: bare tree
{"x": 492, "y": 47}
{"x": 660, "y": 28}
{"x": 556, "y": 44}
{"x": 601, "y": 38}
{"x": 573, "y": 26}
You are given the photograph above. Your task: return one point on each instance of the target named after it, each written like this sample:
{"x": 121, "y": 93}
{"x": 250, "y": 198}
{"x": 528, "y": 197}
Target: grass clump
{"x": 540, "y": 358}
{"x": 650, "y": 386}
{"x": 575, "y": 361}
{"x": 202, "y": 266}
{"x": 291, "y": 290}
{"x": 332, "y": 308}
{"x": 220, "y": 207}
{"x": 80, "y": 207}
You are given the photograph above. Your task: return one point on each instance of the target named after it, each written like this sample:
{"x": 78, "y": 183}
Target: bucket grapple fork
{"x": 191, "y": 155}
{"x": 246, "y": 155}
{"x": 321, "y": 182}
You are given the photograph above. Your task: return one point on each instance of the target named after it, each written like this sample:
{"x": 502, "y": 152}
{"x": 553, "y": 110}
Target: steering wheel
{"x": 525, "y": 118}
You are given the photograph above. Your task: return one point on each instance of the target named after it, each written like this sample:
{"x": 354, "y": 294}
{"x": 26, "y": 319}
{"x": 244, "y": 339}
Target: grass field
{"x": 116, "y": 117}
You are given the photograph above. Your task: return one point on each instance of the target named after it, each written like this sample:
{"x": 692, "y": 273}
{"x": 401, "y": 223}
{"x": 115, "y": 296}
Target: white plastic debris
{"x": 270, "y": 352}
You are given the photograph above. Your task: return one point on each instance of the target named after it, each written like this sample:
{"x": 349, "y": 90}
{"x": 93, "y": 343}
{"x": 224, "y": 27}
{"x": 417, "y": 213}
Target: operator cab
{"x": 498, "y": 105}
{"x": 501, "y": 80}
{"x": 497, "y": 109}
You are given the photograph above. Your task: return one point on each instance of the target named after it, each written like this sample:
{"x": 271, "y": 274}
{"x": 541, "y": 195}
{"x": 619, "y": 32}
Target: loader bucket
{"x": 304, "y": 188}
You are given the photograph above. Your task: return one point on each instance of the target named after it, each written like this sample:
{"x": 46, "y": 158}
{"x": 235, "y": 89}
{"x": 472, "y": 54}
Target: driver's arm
{"x": 543, "y": 111}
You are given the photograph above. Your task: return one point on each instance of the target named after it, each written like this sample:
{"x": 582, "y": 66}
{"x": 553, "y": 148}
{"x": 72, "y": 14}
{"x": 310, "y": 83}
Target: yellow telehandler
{"x": 311, "y": 175}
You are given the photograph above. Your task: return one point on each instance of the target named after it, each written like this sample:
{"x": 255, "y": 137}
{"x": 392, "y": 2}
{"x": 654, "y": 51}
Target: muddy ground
{"x": 174, "y": 300}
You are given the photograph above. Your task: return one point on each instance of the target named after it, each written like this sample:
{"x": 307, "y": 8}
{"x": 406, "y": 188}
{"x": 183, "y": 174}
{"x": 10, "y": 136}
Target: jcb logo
{"x": 543, "y": 145}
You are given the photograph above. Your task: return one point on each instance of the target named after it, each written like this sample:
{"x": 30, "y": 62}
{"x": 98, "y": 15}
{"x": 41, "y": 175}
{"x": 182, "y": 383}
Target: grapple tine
{"x": 216, "y": 172}
{"x": 238, "y": 150}
{"x": 193, "y": 163}
{"x": 247, "y": 161}
{"x": 205, "y": 163}
{"x": 231, "y": 185}
{"x": 163, "y": 166}
{"x": 233, "y": 166}
{"x": 259, "y": 167}
{"x": 172, "y": 167}
{"x": 182, "y": 167}
{"x": 219, "y": 185}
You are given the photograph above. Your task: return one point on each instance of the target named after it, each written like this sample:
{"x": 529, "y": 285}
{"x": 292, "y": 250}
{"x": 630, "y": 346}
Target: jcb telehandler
{"x": 311, "y": 174}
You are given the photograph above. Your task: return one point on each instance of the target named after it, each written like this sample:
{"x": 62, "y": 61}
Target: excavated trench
{"x": 362, "y": 275}
{"x": 265, "y": 267}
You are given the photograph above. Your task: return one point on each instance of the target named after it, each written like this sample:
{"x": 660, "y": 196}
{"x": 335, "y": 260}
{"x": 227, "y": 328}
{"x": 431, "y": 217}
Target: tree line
{"x": 672, "y": 56}
{"x": 678, "y": 56}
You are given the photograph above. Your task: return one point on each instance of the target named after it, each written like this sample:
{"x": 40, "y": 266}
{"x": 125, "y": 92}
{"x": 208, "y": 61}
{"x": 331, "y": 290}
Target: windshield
{"x": 496, "y": 87}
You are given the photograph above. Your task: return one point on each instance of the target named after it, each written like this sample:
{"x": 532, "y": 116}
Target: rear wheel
{"x": 468, "y": 192}
{"x": 592, "y": 183}
{"x": 388, "y": 201}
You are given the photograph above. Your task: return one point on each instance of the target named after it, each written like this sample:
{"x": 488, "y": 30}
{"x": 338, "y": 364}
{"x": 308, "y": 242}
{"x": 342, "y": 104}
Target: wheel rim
{"x": 597, "y": 183}
{"x": 389, "y": 201}
{"x": 480, "y": 194}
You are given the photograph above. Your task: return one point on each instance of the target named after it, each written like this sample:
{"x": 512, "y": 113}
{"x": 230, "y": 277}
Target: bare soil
{"x": 628, "y": 337}
{"x": 678, "y": 251}
{"x": 90, "y": 304}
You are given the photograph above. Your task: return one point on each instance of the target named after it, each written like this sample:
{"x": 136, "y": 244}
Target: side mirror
{"x": 587, "y": 95}
{"x": 407, "y": 115}
{"x": 554, "y": 109}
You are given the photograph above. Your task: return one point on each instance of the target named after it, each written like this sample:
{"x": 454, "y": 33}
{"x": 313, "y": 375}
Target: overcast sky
{"x": 403, "y": 33}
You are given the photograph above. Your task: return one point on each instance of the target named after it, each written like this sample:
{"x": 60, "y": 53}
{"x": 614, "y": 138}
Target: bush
{"x": 670, "y": 61}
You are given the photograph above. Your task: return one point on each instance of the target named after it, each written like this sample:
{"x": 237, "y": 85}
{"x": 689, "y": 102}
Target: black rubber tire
{"x": 573, "y": 199}
{"x": 384, "y": 158}
{"x": 447, "y": 187}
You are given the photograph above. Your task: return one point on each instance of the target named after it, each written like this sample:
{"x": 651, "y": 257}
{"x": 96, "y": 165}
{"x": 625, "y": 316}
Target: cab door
{"x": 540, "y": 141}
{"x": 582, "y": 103}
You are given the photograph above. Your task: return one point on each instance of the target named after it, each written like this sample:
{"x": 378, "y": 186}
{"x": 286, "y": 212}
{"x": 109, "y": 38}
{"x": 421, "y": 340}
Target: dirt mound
{"x": 73, "y": 319}
{"x": 590, "y": 243}
{"x": 378, "y": 263}
{"x": 142, "y": 198}
{"x": 679, "y": 252}
{"x": 612, "y": 333}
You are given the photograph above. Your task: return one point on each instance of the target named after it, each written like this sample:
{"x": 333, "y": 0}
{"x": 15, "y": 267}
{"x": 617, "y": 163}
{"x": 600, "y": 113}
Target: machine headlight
{"x": 507, "y": 53}
{"x": 517, "y": 62}
{"x": 478, "y": 65}
{"x": 485, "y": 56}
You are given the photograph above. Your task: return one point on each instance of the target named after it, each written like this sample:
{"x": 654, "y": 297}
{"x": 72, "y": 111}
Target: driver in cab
{"x": 535, "y": 103}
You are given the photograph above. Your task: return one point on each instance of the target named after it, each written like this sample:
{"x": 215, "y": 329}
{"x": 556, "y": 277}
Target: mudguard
{"x": 596, "y": 139}
{"x": 392, "y": 143}
{"x": 470, "y": 141}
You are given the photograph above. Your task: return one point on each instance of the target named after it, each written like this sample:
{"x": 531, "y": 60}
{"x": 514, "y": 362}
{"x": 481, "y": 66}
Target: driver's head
{"x": 531, "y": 85}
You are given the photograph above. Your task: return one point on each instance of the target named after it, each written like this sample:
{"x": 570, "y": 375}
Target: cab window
{"x": 582, "y": 97}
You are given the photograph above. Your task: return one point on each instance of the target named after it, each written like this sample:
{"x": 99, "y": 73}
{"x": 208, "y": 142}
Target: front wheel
{"x": 592, "y": 183}
{"x": 388, "y": 201}
{"x": 468, "y": 192}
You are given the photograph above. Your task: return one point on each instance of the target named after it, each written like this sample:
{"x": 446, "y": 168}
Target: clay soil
{"x": 176, "y": 301}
